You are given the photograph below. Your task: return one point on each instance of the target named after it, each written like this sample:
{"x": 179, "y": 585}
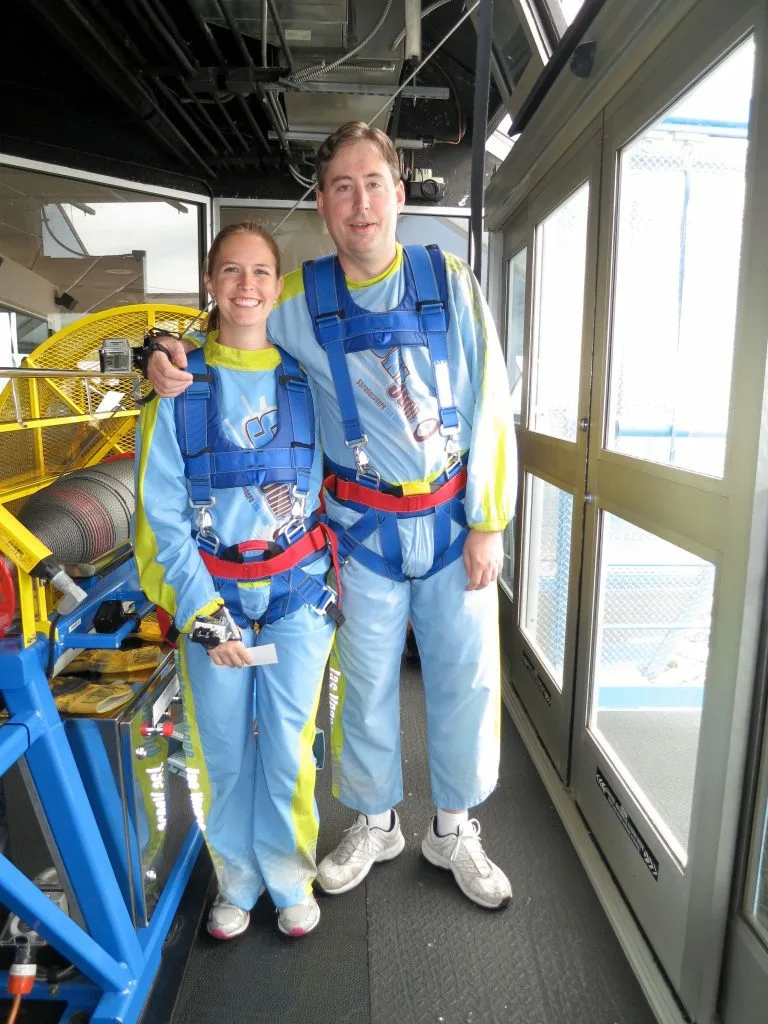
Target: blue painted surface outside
{"x": 648, "y": 698}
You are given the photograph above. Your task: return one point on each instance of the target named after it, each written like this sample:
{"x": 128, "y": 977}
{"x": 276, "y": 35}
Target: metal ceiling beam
{"x": 243, "y": 102}
{"x": 318, "y": 137}
{"x": 187, "y": 65}
{"x": 80, "y": 33}
{"x": 281, "y": 35}
{"x": 484, "y": 27}
{"x": 416, "y": 92}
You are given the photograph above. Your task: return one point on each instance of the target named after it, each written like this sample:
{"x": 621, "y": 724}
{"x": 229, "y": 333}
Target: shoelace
{"x": 350, "y": 844}
{"x": 468, "y": 840}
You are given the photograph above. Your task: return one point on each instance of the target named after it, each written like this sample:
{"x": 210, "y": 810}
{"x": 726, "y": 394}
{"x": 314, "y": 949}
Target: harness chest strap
{"x": 212, "y": 460}
{"x": 421, "y": 319}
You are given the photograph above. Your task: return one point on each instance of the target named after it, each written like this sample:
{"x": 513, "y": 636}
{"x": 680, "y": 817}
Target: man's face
{"x": 359, "y": 204}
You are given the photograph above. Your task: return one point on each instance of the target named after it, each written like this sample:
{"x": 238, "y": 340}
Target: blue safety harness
{"x": 212, "y": 460}
{"x": 340, "y": 326}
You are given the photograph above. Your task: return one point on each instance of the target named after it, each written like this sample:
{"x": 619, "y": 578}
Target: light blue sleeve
{"x": 492, "y": 463}
{"x": 171, "y": 571}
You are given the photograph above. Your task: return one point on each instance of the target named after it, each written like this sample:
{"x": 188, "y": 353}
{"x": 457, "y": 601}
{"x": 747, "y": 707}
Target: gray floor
{"x": 408, "y": 946}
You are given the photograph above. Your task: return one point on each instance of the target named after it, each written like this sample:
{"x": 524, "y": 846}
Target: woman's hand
{"x": 169, "y": 378}
{"x": 483, "y": 558}
{"x": 231, "y": 654}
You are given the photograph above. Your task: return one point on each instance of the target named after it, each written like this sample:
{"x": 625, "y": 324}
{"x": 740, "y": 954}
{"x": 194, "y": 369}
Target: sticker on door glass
{"x": 627, "y": 824}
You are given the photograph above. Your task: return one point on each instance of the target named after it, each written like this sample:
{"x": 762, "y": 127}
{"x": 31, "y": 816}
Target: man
{"x": 416, "y": 426}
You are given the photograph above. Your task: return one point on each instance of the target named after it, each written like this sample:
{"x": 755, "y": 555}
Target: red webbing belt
{"x": 316, "y": 540}
{"x": 319, "y": 538}
{"x": 348, "y": 490}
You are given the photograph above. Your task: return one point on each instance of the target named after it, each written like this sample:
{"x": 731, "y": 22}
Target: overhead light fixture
{"x": 65, "y": 300}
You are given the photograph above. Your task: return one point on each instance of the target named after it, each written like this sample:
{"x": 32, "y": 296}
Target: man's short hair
{"x": 356, "y": 131}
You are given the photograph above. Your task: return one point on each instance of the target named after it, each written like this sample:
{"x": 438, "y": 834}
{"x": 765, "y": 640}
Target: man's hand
{"x": 232, "y": 654}
{"x": 483, "y": 558}
{"x": 169, "y": 379}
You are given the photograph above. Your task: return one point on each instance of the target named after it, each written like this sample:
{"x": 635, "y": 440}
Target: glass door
{"x": 548, "y": 256}
{"x": 745, "y": 990}
{"x": 669, "y": 497}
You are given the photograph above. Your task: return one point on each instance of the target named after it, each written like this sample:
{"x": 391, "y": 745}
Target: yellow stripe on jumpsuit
{"x": 250, "y": 729}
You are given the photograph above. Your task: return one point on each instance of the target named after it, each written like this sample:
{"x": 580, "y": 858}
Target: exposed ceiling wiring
{"x": 323, "y": 69}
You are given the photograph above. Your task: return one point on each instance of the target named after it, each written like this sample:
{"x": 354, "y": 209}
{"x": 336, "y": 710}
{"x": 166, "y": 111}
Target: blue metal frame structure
{"x": 118, "y": 961}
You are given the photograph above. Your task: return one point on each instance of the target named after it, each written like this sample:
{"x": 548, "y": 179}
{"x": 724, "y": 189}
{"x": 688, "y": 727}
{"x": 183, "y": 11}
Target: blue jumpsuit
{"x": 456, "y": 629}
{"x": 253, "y": 796}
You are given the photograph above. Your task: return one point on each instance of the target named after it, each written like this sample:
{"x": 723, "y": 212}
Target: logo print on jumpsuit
{"x": 278, "y": 495}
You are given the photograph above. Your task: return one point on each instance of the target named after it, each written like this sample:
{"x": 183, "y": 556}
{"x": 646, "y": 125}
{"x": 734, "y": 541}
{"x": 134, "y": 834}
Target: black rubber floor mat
{"x": 550, "y": 957}
{"x": 408, "y": 947}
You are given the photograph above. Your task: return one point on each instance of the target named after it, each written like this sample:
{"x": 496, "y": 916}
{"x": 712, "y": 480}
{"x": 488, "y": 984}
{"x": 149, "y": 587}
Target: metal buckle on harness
{"x": 452, "y": 449}
{"x": 298, "y": 509}
{"x": 203, "y": 517}
{"x": 292, "y": 530}
{"x": 296, "y": 526}
{"x": 204, "y": 521}
{"x": 364, "y": 471}
{"x": 331, "y": 597}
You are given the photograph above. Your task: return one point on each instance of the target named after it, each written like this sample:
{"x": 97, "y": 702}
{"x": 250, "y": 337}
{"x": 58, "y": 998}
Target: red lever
{"x": 7, "y": 597}
{"x": 164, "y": 729}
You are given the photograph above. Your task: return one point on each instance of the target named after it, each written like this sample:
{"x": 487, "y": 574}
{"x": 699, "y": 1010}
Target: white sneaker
{"x": 300, "y": 919}
{"x": 225, "y": 920}
{"x": 462, "y": 853}
{"x": 362, "y": 847}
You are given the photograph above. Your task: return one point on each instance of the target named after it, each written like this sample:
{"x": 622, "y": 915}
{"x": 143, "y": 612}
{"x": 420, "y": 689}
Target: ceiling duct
{"x": 320, "y": 32}
{"x": 309, "y": 25}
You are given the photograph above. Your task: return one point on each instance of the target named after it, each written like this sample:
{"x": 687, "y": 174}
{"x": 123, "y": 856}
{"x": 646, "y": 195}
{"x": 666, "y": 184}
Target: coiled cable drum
{"x": 85, "y": 514}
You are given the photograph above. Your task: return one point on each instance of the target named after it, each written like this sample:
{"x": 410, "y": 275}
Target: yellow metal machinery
{"x": 52, "y": 424}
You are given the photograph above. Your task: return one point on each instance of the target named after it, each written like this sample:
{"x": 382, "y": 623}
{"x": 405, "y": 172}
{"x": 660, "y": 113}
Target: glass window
{"x": 511, "y": 48}
{"x": 757, "y": 888}
{"x": 75, "y": 247}
{"x": 513, "y": 349}
{"x": 558, "y": 307}
{"x": 681, "y": 202}
{"x": 570, "y": 8}
{"x": 516, "y": 279}
{"x": 546, "y": 572}
{"x": 304, "y": 235}
{"x": 450, "y": 233}
{"x": 653, "y": 629}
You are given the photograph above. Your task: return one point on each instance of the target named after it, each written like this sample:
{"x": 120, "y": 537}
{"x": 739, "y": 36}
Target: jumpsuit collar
{"x": 230, "y": 358}
{"x": 393, "y": 267}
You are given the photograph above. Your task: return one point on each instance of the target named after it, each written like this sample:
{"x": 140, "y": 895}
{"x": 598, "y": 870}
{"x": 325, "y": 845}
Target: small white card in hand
{"x": 266, "y": 654}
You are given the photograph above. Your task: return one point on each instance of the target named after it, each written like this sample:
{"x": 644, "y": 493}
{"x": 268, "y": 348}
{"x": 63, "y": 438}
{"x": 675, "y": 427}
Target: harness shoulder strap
{"x": 323, "y": 299}
{"x": 330, "y": 330}
{"x": 431, "y": 283}
{"x": 293, "y": 384}
{"x": 191, "y": 414}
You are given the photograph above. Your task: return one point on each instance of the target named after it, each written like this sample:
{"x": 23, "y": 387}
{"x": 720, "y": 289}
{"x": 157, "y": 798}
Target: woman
{"x": 227, "y": 542}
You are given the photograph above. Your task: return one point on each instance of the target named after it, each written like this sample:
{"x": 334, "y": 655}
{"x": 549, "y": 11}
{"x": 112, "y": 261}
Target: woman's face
{"x": 244, "y": 281}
